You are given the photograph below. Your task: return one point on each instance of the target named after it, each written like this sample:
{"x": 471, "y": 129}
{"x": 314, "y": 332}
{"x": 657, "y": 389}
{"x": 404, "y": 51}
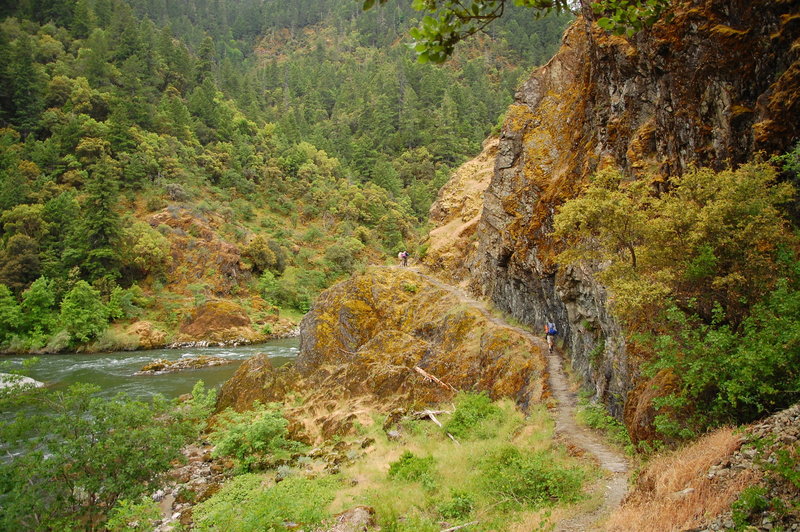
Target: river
{"x": 113, "y": 372}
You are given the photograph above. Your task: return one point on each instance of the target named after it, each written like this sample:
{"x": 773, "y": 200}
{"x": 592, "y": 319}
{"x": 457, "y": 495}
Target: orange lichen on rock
{"x": 714, "y": 85}
{"x": 372, "y": 330}
{"x": 364, "y": 338}
{"x": 197, "y": 250}
{"x": 219, "y": 321}
{"x": 456, "y": 213}
{"x": 149, "y": 337}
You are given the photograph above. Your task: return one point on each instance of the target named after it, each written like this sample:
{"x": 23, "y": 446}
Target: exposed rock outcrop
{"x": 161, "y": 366}
{"x": 219, "y": 322}
{"x": 197, "y": 249}
{"x": 149, "y": 337}
{"x": 363, "y": 339}
{"x": 366, "y": 336}
{"x": 456, "y": 213}
{"x": 714, "y": 85}
{"x": 254, "y": 380}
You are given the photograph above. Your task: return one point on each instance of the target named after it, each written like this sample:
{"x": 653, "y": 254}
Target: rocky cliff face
{"x": 713, "y": 86}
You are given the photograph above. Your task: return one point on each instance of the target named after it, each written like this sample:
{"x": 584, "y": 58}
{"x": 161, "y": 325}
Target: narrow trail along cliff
{"x": 614, "y": 463}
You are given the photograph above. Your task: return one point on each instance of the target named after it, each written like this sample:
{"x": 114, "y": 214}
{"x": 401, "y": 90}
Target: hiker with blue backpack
{"x": 550, "y": 332}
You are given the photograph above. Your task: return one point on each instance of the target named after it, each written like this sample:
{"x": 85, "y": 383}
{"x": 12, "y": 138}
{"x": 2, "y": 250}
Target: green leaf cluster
{"x": 528, "y": 480}
{"x": 411, "y": 468}
{"x": 628, "y": 17}
{"x": 474, "y": 417}
{"x": 256, "y": 439}
{"x": 72, "y": 455}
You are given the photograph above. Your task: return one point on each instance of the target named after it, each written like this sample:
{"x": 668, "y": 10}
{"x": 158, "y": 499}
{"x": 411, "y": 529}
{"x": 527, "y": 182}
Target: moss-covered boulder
{"x": 362, "y": 346}
{"x": 368, "y": 334}
{"x": 255, "y": 380}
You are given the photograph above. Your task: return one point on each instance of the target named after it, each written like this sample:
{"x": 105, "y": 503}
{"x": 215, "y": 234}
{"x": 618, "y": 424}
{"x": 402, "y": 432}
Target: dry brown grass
{"x": 655, "y": 504}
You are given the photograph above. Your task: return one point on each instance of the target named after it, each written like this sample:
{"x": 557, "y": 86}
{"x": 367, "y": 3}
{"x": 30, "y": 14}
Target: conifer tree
{"x": 28, "y": 87}
{"x": 94, "y": 250}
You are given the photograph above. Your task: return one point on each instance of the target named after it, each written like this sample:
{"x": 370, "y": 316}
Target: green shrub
{"x": 414, "y": 523}
{"x": 134, "y": 516}
{"x": 410, "y": 467}
{"x": 256, "y": 439}
{"x": 459, "y": 506}
{"x": 518, "y": 480}
{"x": 10, "y": 314}
{"x": 246, "y": 503}
{"x": 79, "y": 454}
{"x": 83, "y": 314}
{"x": 595, "y": 416}
{"x": 411, "y": 288}
{"x": 737, "y": 375}
{"x": 752, "y": 500}
{"x": 122, "y": 303}
{"x": 470, "y": 417}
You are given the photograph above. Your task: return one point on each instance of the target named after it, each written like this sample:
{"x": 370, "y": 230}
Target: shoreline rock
{"x": 11, "y": 381}
{"x": 161, "y": 366}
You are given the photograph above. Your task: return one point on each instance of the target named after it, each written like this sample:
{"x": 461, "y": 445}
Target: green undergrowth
{"x": 249, "y": 502}
{"x": 504, "y": 471}
{"x": 595, "y": 416}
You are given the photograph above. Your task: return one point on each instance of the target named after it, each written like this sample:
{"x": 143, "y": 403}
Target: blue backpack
{"x": 551, "y": 329}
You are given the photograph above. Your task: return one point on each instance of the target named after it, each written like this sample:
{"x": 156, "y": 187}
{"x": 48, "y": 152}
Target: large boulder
{"x": 13, "y": 382}
{"x": 367, "y": 335}
{"x": 148, "y": 336}
{"x": 255, "y": 380}
{"x": 362, "y": 347}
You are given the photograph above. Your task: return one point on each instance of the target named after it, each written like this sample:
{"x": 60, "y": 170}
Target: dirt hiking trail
{"x": 614, "y": 463}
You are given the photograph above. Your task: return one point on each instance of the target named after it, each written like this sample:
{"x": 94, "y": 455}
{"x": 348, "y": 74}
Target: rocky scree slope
{"x": 712, "y": 86}
{"x": 700, "y": 487}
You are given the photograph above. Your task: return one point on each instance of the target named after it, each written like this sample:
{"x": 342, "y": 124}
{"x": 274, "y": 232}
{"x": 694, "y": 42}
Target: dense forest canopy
{"x": 304, "y": 134}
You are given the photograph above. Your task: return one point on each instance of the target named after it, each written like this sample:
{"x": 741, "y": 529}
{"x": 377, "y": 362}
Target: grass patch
{"x": 505, "y": 471}
{"x": 249, "y": 503}
{"x": 516, "y": 479}
{"x": 505, "y": 474}
{"x": 410, "y": 467}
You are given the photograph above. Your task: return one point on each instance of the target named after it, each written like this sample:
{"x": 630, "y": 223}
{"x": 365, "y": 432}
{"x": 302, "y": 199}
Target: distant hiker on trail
{"x": 550, "y": 332}
{"x": 403, "y": 256}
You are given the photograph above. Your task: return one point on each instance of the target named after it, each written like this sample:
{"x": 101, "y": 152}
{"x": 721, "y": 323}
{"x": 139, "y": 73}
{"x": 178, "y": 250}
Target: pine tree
{"x": 28, "y": 87}
{"x": 83, "y": 19}
{"x": 95, "y": 247}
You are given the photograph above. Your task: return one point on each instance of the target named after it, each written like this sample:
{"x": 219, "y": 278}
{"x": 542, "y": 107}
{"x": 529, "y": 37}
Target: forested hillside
{"x": 158, "y": 155}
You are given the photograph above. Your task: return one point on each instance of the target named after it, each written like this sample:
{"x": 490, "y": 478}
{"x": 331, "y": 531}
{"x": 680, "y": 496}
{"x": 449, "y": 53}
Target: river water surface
{"x": 113, "y": 372}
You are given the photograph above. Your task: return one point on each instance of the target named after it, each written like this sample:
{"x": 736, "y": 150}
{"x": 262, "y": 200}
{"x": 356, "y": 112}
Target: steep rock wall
{"x": 714, "y": 85}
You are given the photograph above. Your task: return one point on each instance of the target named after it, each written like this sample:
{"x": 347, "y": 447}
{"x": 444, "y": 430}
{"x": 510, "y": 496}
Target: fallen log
{"x": 430, "y": 377}
{"x": 459, "y": 527}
